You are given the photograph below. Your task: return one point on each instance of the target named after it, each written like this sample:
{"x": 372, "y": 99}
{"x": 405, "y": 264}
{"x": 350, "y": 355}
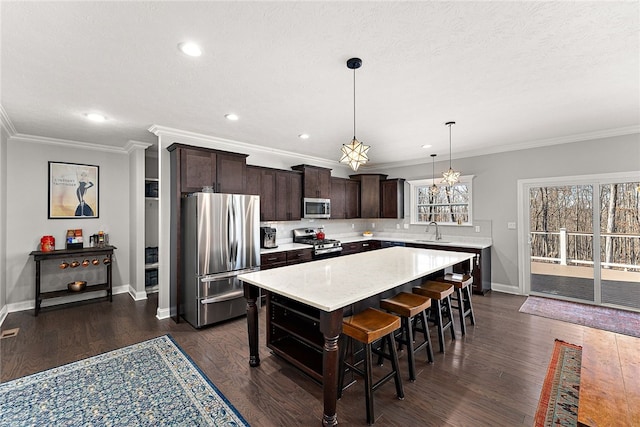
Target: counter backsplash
{"x": 341, "y": 229}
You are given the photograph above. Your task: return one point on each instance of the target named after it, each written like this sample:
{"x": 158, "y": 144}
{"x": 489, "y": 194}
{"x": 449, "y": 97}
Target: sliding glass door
{"x": 583, "y": 240}
{"x": 620, "y": 244}
{"x": 561, "y": 241}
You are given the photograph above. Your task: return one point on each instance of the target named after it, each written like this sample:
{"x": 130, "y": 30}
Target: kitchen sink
{"x": 432, "y": 241}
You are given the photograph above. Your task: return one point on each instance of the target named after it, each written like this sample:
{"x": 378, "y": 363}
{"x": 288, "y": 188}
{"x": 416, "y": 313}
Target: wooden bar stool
{"x": 440, "y": 294}
{"x": 462, "y": 285}
{"x": 410, "y": 308}
{"x": 366, "y": 327}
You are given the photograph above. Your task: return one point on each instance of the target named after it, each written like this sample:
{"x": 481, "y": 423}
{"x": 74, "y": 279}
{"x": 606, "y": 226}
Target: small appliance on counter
{"x": 268, "y": 238}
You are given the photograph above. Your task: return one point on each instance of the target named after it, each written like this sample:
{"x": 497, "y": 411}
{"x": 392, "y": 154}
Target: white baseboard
{"x": 21, "y": 306}
{"x": 30, "y": 304}
{"x": 137, "y": 296}
{"x": 3, "y": 314}
{"x": 122, "y": 289}
{"x": 507, "y": 289}
{"x": 163, "y": 313}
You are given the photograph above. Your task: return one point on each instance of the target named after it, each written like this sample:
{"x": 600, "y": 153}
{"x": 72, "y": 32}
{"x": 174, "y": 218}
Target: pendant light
{"x": 450, "y": 177}
{"x": 434, "y": 189}
{"x": 354, "y": 153}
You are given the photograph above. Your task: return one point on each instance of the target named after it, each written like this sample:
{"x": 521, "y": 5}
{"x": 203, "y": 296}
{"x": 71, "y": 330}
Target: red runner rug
{"x": 558, "y": 405}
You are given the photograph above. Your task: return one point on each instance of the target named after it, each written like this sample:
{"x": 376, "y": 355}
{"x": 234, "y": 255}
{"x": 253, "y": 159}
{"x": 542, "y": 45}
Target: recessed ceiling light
{"x": 303, "y": 136}
{"x": 95, "y": 117}
{"x": 232, "y": 116}
{"x": 426, "y": 146}
{"x": 190, "y": 48}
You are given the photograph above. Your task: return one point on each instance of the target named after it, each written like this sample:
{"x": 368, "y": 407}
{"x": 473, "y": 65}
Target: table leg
{"x": 331, "y": 327}
{"x": 252, "y": 293}
{"x": 37, "y": 307}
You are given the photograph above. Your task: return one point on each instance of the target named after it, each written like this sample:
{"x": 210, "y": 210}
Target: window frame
{"x": 427, "y": 182}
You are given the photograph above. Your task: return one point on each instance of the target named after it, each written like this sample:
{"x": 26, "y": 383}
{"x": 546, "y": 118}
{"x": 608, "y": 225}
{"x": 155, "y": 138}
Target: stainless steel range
{"x": 322, "y": 248}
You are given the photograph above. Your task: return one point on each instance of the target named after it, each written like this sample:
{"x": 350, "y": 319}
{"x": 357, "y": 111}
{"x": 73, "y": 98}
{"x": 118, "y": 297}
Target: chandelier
{"x": 434, "y": 189}
{"x": 450, "y": 177}
{"x": 354, "y": 153}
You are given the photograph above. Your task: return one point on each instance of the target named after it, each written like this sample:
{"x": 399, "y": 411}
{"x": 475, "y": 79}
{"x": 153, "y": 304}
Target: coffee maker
{"x": 268, "y": 238}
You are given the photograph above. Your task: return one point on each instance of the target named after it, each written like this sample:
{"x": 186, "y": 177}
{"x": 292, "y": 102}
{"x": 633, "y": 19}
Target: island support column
{"x": 331, "y": 327}
{"x": 252, "y": 293}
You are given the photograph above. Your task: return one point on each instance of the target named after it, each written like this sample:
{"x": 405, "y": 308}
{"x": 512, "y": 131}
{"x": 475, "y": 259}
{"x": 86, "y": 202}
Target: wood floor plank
{"x": 602, "y": 400}
{"x": 629, "y": 352}
{"x": 490, "y": 377}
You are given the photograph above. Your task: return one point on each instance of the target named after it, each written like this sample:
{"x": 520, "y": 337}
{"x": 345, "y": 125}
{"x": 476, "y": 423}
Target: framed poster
{"x": 73, "y": 190}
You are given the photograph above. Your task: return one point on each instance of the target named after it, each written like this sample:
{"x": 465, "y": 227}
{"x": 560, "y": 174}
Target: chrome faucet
{"x": 438, "y": 236}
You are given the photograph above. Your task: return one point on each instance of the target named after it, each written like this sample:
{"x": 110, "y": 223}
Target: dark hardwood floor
{"x": 491, "y": 377}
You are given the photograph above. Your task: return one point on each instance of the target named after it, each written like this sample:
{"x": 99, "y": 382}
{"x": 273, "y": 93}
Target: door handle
{"x": 223, "y": 297}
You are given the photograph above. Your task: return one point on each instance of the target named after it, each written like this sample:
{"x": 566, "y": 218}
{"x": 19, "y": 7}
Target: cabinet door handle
{"x": 365, "y": 245}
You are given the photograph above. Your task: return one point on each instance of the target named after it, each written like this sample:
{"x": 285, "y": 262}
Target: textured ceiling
{"x": 511, "y": 74}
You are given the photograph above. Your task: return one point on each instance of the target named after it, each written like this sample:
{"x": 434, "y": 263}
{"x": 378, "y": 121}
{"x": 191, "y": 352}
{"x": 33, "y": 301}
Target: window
{"x": 451, "y": 205}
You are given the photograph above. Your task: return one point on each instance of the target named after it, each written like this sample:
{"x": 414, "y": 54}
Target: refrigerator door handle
{"x": 223, "y": 297}
{"x": 216, "y": 277}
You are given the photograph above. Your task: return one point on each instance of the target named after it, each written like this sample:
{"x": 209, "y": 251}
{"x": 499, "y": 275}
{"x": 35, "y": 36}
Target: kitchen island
{"x": 330, "y": 286}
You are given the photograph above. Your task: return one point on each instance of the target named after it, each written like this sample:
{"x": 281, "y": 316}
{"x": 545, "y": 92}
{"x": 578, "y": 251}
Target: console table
{"x": 104, "y": 253}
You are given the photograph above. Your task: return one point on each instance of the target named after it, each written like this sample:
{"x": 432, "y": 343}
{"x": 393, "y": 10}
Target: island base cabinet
{"x": 293, "y": 333}
{"x": 480, "y": 267}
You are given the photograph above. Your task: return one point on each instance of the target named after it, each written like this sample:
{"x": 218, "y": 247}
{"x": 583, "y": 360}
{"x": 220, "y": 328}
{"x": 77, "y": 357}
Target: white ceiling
{"x": 511, "y": 74}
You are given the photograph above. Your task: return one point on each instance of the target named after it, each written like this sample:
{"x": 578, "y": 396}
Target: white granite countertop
{"x": 334, "y": 283}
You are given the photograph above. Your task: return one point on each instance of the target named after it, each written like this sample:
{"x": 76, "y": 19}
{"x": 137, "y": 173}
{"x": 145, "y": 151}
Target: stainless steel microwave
{"x": 316, "y": 208}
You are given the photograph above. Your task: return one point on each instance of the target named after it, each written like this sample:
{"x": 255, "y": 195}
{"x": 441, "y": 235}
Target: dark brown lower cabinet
{"x": 273, "y": 260}
{"x": 355, "y": 247}
{"x": 481, "y": 269}
{"x": 279, "y": 259}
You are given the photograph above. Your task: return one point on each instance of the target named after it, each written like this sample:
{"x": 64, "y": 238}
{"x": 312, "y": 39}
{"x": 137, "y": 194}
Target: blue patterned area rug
{"x": 145, "y": 384}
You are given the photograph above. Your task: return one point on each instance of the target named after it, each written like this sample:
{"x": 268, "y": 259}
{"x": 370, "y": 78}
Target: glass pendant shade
{"x": 450, "y": 177}
{"x": 434, "y": 189}
{"x": 354, "y": 154}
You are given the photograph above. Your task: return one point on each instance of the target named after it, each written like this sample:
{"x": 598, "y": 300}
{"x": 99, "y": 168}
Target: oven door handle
{"x": 224, "y": 297}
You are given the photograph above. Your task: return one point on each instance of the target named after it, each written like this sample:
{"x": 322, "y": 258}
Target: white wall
{"x": 26, "y": 211}
{"x": 3, "y": 224}
{"x": 495, "y": 185}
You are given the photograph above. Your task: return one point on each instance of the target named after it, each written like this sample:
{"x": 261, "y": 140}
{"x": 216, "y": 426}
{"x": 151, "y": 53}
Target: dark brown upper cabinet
{"x": 369, "y": 193}
{"x": 288, "y": 195}
{"x": 392, "y": 198}
{"x": 316, "y": 181}
{"x": 262, "y": 181}
{"x": 203, "y": 167}
{"x": 345, "y": 198}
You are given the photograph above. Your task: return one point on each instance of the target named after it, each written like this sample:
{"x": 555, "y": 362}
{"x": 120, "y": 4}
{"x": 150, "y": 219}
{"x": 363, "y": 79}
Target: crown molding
{"x": 5, "y": 121}
{"x": 132, "y": 145}
{"x": 234, "y": 146}
{"x": 588, "y": 136}
{"x": 66, "y": 143}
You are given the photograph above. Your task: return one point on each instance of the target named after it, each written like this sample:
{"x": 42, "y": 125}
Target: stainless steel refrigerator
{"x": 220, "y": 240}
